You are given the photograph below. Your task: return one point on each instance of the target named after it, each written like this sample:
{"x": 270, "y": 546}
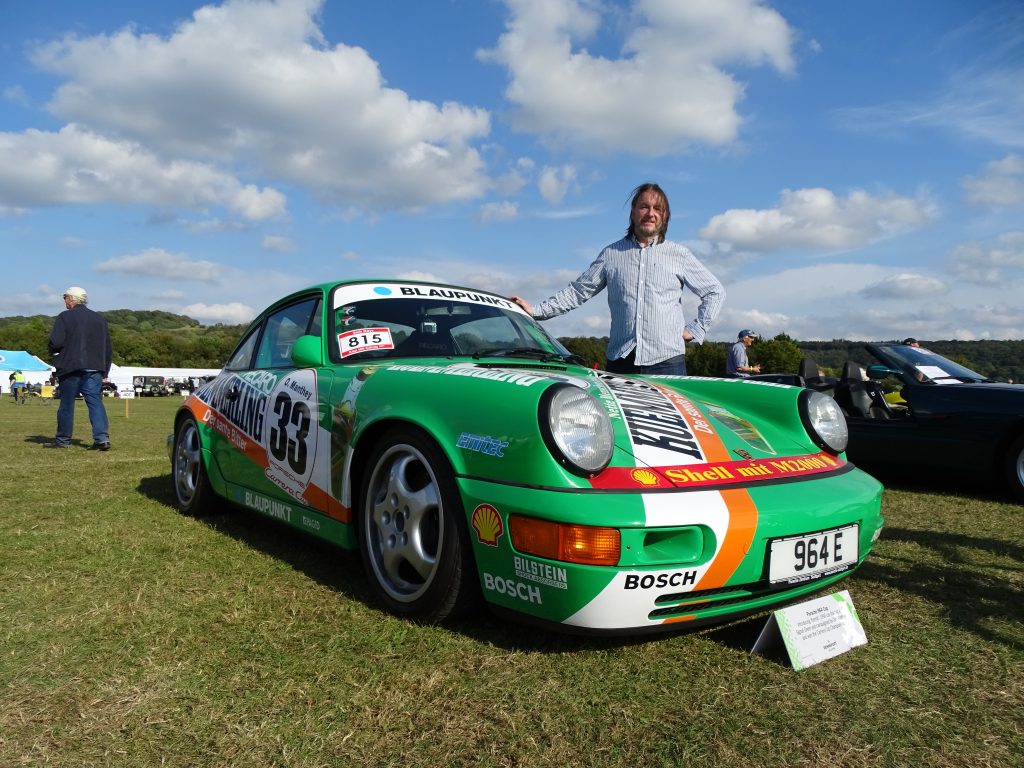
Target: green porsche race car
{"x": 469, "y": 456}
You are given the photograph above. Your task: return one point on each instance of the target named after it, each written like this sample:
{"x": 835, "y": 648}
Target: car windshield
{"x": 925, "y": 365}
{"x": 392, "y": 321}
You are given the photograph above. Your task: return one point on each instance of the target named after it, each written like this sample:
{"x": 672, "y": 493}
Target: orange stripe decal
{"x": 742, "y": 510}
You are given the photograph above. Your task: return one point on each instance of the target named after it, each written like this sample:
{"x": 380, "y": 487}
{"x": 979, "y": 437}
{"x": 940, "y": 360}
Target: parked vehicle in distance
{"x": 151, "y": 386}
{"x": 952, "y": 420}
{"x": 467, "y": 455}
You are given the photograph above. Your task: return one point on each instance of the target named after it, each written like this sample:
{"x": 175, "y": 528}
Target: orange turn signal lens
{"x": 586, "y": 544}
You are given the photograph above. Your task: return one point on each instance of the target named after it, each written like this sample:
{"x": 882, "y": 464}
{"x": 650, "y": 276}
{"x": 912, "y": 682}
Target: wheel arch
{"x": 1014, "y": 431}
{"x": 372, "y": 434}
{"x": 374, "y": 437}
{"x": 1006, "y": 465}
{"x": 213, "y": 473}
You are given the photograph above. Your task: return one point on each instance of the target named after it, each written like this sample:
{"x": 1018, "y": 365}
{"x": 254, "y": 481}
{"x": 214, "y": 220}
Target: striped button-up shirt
{"x": 645, "y": 296}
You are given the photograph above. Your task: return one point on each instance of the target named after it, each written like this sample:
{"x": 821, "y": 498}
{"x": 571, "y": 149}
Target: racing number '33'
{"x": 283, "y": 444}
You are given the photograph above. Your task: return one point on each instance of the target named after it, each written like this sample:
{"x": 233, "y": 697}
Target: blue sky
{"x": 848, "y": 170}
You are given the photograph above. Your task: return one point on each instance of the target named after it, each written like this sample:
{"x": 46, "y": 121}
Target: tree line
{"x": 157, "y": 339}
{"x": 145, "y": 338}
{"x": 1000, "y": 360}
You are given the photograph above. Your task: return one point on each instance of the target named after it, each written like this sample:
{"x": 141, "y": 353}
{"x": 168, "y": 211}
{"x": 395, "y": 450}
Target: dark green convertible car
{"x": 471, "y": 459}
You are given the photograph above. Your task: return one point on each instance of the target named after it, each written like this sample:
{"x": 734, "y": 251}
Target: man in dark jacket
{"x": 82, "y": 355}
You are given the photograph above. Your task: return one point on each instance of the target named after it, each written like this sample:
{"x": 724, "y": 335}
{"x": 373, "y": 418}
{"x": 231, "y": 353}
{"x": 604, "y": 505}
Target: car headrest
{"x": 852, "y": 371}
{"x": 808, "y": 369}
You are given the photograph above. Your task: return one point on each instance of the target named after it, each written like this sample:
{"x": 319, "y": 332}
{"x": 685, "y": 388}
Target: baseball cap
{"x": 77, "y": 293}
{"x": 746, "y": 332}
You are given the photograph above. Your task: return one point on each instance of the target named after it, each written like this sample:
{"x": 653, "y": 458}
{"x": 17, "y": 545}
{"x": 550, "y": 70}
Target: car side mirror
{"x": 881, "y": 371}
{"x": 307, "y": 352}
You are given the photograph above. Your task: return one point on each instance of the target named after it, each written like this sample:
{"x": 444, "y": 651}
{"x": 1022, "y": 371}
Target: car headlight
{"x": 824, "y": 421}
{"x": 576, "y": 429}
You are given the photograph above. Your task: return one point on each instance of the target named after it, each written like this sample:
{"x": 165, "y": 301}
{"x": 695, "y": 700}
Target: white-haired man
{"x": 82, "y": 355}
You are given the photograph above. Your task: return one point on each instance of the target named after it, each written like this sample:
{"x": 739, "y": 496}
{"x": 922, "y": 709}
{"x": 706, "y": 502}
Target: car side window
{"x": 282, "y": 328}
{"x": 242, "y": 357}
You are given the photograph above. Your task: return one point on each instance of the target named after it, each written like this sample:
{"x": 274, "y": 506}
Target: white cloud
{"x": 553, "y": 183}
{"x": 1001, "y": 185}
{"x": 675, "y": 52}
{"x": 277, "y": 243}
{"x": 206, "y": 226}
{"x": 817, "y": 219}
{"x": 904, "y": 285}
{"x": 15, "y": 94}
{"x": 234, "y": 313}
{"x": 42, "y": 299}
{"x": 78, "y": 166}
{"x": 423, "y": 277}
{"x": 256, "y": 85}
{"x": 989, "y": 263}
{"x": 503, "y": 211}
{"x": 156, "y": 262}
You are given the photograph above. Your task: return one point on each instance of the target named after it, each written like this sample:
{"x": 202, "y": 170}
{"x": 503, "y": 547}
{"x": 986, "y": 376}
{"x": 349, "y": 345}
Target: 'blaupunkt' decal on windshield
{"x": 349, "y": 294}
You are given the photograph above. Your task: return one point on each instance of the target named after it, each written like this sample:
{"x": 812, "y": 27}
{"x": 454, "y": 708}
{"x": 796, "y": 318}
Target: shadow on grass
{"x": 45, "y": 439}
{"x": 342, "y": 571}
{"x": 933, "y": 481}
{"x": 971, "y": 592}
{"x": 333, "y": 567}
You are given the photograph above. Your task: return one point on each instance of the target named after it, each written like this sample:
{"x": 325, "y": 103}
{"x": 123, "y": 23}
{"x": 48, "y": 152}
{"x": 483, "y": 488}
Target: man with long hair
{"x": 645, "y": 275}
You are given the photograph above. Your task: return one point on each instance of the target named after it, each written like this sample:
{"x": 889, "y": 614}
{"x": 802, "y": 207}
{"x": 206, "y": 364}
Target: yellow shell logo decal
{"x": 645, "y": 477}
{"x": 487, "y": 524}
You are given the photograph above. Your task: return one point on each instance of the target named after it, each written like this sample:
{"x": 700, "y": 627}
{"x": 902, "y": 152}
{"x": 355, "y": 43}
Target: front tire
{"x": 1014, "y": 469}
{"x": 192, "y": 490}
{"x": 412, "y": 531}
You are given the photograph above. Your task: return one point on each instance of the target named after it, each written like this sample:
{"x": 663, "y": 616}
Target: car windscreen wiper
{"x": 528, "y": 352}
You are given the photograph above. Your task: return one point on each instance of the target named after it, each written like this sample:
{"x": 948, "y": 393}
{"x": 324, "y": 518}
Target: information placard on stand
{"x": 813, "y": 631}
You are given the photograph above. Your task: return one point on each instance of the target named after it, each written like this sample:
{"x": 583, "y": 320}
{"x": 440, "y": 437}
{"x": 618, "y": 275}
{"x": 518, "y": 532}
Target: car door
{"x": 285, "y": 404}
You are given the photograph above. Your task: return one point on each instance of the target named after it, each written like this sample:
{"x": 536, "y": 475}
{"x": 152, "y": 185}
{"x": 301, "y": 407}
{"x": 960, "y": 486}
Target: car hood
{"x": 669, "y": 432}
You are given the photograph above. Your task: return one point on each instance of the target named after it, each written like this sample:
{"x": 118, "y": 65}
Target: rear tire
{"x": 1014, "y": 468}
{"x": 412, "y": 530}
{"x": 193, "y": 493}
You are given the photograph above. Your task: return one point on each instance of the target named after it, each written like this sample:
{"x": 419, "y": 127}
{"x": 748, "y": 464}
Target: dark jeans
{"x": 674, "y": 366}
{"x": 88, "y": 384}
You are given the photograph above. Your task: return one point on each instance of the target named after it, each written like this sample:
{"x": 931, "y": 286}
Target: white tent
{"x": 123, "y": 375}
{"x": 35, "y": 370}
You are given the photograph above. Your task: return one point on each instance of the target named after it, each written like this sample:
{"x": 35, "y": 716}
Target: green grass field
{"x": 135, "y": 636}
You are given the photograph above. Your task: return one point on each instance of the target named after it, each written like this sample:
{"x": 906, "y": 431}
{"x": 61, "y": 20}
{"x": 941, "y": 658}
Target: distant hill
{"x": 163, "y": 339}
{"x": 149, "y": 338}
{"x": 1002, "y": 360}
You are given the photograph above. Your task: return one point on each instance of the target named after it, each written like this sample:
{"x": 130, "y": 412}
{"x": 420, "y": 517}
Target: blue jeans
{"x": 674, "y": 366}
{"x": 88, "y": 384}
